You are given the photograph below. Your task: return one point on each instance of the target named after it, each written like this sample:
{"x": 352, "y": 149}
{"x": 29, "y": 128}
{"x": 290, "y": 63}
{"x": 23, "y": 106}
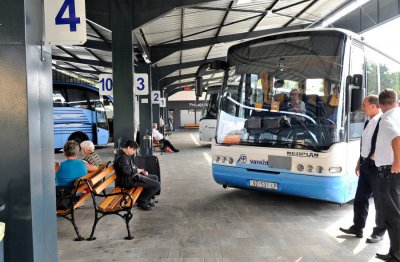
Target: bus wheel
{"x": 78, "y": 137}
{"x": 224, "y": 186}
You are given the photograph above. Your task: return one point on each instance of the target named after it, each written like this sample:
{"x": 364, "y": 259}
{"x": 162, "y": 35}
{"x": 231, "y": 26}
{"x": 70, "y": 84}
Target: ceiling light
{"x": 241, "y": 2}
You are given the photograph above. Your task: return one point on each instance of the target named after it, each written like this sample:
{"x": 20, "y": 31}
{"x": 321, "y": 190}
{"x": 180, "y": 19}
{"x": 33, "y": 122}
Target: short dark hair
{"x": 71, "y": 148}
{"x": 373, "y": 100}
{"x": 387, "y": 97}
{"x": 130, "y": 143}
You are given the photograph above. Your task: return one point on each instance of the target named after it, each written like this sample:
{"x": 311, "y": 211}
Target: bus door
{"x": 102, "y": 128}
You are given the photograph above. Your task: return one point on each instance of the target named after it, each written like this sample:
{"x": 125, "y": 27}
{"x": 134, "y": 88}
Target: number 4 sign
{"x": 65, "y": 22}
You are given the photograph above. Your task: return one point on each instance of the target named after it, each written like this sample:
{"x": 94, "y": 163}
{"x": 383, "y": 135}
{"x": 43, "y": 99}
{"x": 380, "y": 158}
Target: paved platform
{"x": 197, "y": 220}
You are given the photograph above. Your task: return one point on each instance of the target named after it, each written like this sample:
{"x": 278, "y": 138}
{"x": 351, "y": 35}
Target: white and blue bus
{"x": 208, "y": 120}
{"x": 80, "y": 114}
{"x": 262, "y": 143}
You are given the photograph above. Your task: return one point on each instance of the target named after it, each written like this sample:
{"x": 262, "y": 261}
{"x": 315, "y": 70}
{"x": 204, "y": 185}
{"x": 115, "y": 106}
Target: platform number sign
{"x": 163, "y": 102}
{"x": 65, "y": 22}
{"x": 155, "y": 97}
{"x": 140, "y": 84}
{"x": 106, "y": 84}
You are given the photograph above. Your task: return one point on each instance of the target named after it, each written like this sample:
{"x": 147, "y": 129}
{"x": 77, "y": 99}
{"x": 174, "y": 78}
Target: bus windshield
{"x": 288, "y": 92}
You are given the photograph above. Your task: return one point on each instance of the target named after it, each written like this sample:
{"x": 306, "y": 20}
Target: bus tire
{"x": 224, "y": 186}
{"x": 79, "y": 137}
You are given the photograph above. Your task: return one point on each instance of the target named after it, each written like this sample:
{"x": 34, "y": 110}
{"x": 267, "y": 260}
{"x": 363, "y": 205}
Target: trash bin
{"x": 147, "y": 142}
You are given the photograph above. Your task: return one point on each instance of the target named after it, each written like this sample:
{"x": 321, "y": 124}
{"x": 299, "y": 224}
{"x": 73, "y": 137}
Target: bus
{"x": 208, "y": 121}
{"x": 79, "y": 114}
{"x": 293, "y": 124}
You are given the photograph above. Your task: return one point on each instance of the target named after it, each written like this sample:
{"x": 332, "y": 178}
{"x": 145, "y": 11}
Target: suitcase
{"x": 150, "y": 164}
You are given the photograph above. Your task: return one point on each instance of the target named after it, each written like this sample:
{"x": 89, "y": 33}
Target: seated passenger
{"x": 159, "y": 137}
{"x": 72, "y": 168}
{"x": 69, "y": 171}
{"x": 91, "y": 159}
{"x": 128, "y": 175}
{"x": 295, "y": 104}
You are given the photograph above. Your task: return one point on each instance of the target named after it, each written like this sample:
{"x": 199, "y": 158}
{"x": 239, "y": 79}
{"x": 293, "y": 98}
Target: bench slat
{"x": 98, "y": 177}
{"x": 109, "y": 199}
{"x": 101, "y": 186}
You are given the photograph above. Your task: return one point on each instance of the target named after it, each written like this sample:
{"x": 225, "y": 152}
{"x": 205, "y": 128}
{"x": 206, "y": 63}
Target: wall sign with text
{"x": 65, "y": 22}
{"x": 155, "y": 97}
{"x": 140, "y": 84}
{"x": 106, "y": 84}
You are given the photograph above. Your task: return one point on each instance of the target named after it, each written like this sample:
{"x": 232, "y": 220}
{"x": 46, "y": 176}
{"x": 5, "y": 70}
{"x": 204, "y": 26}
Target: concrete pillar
{"x": 122, "y": 53}
{"x": 27, "y": 184}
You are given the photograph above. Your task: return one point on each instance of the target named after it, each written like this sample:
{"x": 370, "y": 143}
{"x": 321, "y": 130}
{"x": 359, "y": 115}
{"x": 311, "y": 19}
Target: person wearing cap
{"x": 128, "y": 175}
{"x": 367, "y": 172}
{"x": 92, "y": 160}
{"x": 387, "y": 159}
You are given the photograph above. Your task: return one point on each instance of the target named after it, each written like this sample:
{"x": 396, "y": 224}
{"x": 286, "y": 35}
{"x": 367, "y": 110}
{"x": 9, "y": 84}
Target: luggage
{"x": 150, "y": 164}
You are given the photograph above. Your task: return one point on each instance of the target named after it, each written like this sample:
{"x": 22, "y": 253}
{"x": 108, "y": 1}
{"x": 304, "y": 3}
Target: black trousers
{"x": 150, "y": 186}
{"x": 368, "y": 186}
{"x": 167, "y": 143}
{"x": 389, "y": 198}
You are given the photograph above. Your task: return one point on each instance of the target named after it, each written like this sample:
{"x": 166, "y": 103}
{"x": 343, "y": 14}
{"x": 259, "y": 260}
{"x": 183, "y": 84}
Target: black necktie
{"x": 373, "y": 140}
{"x": 366, "y": 123}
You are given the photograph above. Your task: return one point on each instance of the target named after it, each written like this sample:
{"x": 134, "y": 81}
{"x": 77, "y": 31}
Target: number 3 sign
{"x": 65, "y": 22}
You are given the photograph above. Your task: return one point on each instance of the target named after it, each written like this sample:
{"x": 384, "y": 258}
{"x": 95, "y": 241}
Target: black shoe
{"x": 384, "y": 257}
{"x": 176, "y": 150}
{"x": 352, "y": 231}
{"x": 374, "y": 239}
{"x": 144, "y": 205}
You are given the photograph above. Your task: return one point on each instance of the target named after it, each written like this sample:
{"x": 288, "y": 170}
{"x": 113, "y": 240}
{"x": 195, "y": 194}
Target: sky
{"x": 386, "y": 38}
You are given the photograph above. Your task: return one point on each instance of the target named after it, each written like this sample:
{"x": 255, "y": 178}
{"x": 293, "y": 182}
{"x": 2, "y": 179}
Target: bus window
{"x": 77, "y": 98}
{"x": 59, "y": 97}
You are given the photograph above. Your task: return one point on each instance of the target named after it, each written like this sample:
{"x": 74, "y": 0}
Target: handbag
{"x": 64, "y": 197}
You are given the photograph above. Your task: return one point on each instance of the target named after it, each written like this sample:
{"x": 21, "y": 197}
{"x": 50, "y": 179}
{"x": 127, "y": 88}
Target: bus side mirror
{"x": 199, "y": 86}
{"x": 357, "y": 94}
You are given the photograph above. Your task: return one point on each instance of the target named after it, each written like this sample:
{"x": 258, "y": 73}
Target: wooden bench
{"x": 118, "y": 202}
{"x": 80, "y": 188}
{"x": 157, "y": 144}
{"x": 191, "y": 125}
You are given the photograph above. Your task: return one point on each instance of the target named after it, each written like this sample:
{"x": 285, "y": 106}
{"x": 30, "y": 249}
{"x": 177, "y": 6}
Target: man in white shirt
{"x": 387, "y": 159}
{"x": 367, "y": 172}
{"x": 159, "y": 137}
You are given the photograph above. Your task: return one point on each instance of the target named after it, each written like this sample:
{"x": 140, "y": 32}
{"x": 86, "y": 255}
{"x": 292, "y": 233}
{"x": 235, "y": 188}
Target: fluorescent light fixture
{"x": 146, "y": 59}
{"x": 241, "y": 2}
{"x": 342, "y": 12}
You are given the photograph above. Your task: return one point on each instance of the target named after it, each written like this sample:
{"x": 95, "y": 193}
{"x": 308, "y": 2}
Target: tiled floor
{"x": 197, "y": 220}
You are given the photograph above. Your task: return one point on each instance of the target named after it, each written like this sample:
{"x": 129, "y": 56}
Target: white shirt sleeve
{"x": 157, "y": 134}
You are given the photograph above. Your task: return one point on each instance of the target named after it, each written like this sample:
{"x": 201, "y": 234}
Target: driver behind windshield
{"x": 295, "y": 104}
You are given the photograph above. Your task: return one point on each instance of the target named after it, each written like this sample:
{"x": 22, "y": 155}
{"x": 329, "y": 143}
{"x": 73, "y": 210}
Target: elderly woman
{"x": 295, "y": 104}
{"x": 92, "y": 160}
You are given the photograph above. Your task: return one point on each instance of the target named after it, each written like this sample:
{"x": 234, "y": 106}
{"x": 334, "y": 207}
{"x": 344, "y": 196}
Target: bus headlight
{"x": 230, "y": 160}
{"x": 224, "y": 159}
{"x": 335, "y": 169}
{"x": 319, "y": 169}
{"x": 217, "y": 159}
{"x": 310, "y": 168}
{"x": 300, "y": 167}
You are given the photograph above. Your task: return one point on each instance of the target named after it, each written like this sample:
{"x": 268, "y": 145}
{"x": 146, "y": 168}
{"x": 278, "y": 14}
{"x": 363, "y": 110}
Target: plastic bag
{"x": 168, "y": 149}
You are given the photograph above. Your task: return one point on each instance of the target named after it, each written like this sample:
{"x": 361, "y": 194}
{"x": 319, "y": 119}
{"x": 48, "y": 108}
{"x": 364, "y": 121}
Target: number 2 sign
{"x": 155, "y": 97}
{"x": 65, "y": 22}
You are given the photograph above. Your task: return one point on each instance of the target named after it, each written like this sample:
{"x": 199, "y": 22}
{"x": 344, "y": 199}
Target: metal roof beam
{"x": 205, "y": 81}
{"x": 170, "y": 80}
{"x": 83, "y": 61}
{"x": 163, "y": 71}
{"x": 301, "y": 12}
{"x": 99, "y": 45}
{"x": 161, "y": 51}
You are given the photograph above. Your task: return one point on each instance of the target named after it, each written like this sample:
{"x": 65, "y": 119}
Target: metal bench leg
{"x": 127, "y": 218}
{"x": 79, "y": 237}
{"x": 96, "y": 220}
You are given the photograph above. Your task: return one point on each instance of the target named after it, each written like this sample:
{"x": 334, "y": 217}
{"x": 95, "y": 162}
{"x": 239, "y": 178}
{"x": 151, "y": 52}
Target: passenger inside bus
{"x": 295, "y": 104}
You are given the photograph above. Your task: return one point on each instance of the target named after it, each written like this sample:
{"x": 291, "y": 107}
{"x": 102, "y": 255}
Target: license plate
{"x": 263, "y": 184}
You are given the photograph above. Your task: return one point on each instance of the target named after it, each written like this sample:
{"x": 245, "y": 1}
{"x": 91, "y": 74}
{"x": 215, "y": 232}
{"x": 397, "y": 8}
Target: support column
{"x": 146, "y": 117}
{"x": 27, "y": 184}
{"x": 155, "y": 86}
{"x": 122, "y": 53}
